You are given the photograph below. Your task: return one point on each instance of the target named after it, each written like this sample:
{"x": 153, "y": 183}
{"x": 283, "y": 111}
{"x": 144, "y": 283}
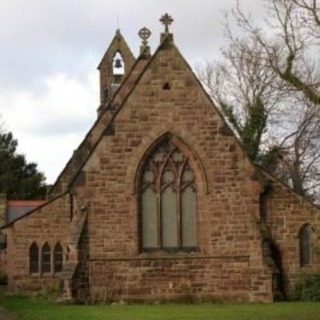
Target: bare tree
{"x": 243, "y": 88}
{"x": 267, "y": 86}
{"x": 294, "y": 43}
{"x": 296, "y": 150}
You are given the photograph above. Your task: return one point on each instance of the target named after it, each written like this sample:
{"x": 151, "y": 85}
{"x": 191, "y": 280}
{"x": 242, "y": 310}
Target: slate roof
{"x": 18, "y": 208}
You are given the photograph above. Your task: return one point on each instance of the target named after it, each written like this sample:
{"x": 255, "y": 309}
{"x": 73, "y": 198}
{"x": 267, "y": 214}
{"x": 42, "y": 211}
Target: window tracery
{"x": 168, "y": 200}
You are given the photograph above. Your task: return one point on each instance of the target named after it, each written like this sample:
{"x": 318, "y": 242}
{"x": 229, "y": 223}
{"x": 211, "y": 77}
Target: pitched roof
{"x": 103, "y": 123}
{"x": 99, "y": 127}
{"x": 22, "y": 208}
{"x": 18, "y": 208}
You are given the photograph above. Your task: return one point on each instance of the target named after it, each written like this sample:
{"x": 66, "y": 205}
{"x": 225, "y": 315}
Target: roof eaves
{"x": 32, "y": 211}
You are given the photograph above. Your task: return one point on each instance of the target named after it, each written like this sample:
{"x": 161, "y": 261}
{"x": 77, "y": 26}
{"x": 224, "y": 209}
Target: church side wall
{"x": 49, "y": 224}
{"x": 287, "y": 213}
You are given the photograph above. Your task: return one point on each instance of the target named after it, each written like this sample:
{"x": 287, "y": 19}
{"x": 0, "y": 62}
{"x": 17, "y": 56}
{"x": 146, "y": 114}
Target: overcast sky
{"x": 50, "y": 49}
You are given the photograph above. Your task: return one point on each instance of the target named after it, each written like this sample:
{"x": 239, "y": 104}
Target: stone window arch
{"x": 305, "y": 245}
{"x": 34, "y": 258}
{"x": 58, "y": 257}
{"x": 167, "y": 200}
{"x": 46, "y": 258}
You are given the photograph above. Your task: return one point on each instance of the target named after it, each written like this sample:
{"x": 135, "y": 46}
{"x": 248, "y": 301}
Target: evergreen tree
{"x": 18, "y": 178}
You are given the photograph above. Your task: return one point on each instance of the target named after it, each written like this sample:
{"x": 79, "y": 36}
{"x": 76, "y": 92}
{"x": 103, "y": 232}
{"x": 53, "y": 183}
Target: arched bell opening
{"x": 118, "y": 65}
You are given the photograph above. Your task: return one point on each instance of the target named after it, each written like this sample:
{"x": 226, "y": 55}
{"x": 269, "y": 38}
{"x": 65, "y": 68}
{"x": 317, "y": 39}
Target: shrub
{"x": 308, "y": 287}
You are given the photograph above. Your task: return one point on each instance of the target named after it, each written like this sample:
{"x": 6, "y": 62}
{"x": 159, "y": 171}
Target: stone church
{"x": 160, "y": 202}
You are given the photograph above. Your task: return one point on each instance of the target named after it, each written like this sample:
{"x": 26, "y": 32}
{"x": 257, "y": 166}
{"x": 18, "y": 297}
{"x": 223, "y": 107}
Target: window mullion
{"x": 178, "y": 199}
{"x": 159, "y": 209}
{"x": 159, "y": 218}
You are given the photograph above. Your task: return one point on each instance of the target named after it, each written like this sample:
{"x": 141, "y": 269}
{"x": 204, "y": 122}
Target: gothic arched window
{"x": 34, "y": 258}
{"x": 58, "y": 257}
{"x": 46, "y": 258}
{"x": 168, "y": 200}
{"x": 305, "y": 245}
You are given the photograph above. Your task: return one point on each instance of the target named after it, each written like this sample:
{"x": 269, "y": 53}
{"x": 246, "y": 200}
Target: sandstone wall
{"x": 287, "y": 212}
{"x": 227, "y": 193}
{"x": 48, "y": 224}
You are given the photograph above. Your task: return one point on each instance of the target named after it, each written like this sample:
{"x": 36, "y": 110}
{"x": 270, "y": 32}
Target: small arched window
{"x": 168, "y": 201}
{"x": 305, "y": 245}
{"x": 34, "y": 258}
{"x": 58, "y": 258}
{"x": 46, "y": 258}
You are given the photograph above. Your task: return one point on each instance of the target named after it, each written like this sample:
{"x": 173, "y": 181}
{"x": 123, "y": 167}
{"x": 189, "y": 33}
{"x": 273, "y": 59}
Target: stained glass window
{"x": 168, "y": 200}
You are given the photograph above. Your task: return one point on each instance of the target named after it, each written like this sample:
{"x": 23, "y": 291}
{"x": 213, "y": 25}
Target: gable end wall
{"x": 227, "y": 195}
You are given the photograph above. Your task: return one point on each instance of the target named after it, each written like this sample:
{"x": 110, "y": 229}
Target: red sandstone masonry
{"x": 227, "y": 196}
{"x": 287, "y": 213}
{"x": 197, "y": 278}
{"x": 48, "y": 224}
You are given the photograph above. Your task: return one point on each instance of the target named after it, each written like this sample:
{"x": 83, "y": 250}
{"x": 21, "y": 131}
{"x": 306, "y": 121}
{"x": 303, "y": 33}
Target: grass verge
{"x": 35, "y": 309}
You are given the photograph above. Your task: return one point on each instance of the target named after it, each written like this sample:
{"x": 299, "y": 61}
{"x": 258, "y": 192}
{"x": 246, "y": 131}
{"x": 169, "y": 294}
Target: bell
{"x": 118, "y": 64}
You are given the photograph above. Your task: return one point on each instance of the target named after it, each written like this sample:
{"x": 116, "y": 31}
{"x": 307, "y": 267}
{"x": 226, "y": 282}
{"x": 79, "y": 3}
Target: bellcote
{"x": 118, "y": 60}
{"x": 114, "y": 66}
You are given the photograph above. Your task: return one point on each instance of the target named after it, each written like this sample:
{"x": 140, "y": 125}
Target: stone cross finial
{"x": 166, "y": 20}
{"x": 144, "y": 34}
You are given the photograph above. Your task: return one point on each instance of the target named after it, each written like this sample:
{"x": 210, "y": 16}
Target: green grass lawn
{"x": 34, "y": 309}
